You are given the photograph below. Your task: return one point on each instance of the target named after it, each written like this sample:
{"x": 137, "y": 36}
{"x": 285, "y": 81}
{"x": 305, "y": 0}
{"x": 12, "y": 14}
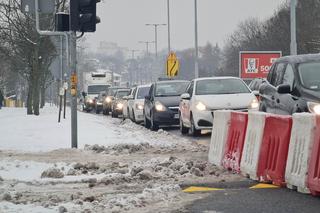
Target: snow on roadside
{"x": 21, "y": 132}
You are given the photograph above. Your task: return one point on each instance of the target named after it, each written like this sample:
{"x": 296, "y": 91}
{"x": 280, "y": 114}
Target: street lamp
{"x": 293, "y": 46}
{"x": 156, "y": 35}
{"x": 196, "y": 64}
{"x": 147, "y": 45}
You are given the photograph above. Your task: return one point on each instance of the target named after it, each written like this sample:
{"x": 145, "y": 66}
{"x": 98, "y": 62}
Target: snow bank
{"x": 30, "y": 133}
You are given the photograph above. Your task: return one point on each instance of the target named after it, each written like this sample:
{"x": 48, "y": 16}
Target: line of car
{"x": 292, "y": 86}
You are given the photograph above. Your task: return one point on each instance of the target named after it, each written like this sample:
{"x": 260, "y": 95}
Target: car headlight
{"x": 314, "y": 107}
{"x": 200, "y": 106}
{"x": 160, "y": 107}
{"x": 99, "y": 103}
{"x": 254, "y": 104}
{"x": 119, "y": 105}
{"x": 139, "y": 106}
{"x": 90, "y": 101}
{"x": 108, "y": 99}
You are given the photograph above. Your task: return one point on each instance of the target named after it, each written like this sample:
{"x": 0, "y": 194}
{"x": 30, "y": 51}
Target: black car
{"x": 99, "y": 102}
{"x": 107, "y": 103}
{"x": 293, "y": 86}
{"x": 117, "y": 103}
{"x": 161, "y": 106}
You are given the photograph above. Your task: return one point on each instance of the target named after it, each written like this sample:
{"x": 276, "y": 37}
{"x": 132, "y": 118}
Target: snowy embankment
{"x": 21, "y": 132}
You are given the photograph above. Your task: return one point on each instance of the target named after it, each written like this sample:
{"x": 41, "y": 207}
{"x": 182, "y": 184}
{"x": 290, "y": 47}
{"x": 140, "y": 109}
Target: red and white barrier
{"x": 301, "y": 142}
{"x": 252, "y": 144}
{"x": 274, "y": 149}
{"x": 313, "y": 181}
{"x": 235, "y": 141}
{"x": 221, "y": 124}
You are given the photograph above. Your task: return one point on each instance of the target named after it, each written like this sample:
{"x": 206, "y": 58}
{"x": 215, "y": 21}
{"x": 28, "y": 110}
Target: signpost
{"x": 173, "y": 65}
{"x": 256, "y": 64}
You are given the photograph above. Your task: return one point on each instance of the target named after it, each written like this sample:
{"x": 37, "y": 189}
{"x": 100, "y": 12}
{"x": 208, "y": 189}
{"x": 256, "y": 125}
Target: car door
{"x": 269, "y": 88}
{"x": 285, "y": 103}
{"x": 131, "y": 102}
{"x": 148, "y": 102}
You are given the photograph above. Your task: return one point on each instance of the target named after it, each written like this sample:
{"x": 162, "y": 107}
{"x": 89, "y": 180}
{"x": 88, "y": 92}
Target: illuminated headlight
{"x": 160, "y": 107}
{"x": 119, "y": 105}
{"x": 90, "y": 101}
{"x": 254, "y": 104}
{"x": 108, "y": 99}
{"x": 139, "y": 106}
{"x": 99, "y": 103}
{"x": 200, "y": 106}
{"x": 314, "y": 107}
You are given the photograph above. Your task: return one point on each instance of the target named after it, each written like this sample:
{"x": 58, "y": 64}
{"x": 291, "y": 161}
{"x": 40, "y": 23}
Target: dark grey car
{"x": 161, "y": 106}
{"x": 293, "y": 85}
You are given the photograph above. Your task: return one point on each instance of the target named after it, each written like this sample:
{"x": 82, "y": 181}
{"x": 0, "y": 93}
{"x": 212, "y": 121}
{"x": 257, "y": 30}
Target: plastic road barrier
{"x": 252, "y": 144}
{"x": 303, "y": 125}
{"x": 221, "y": 123}
{"x": 274, "y": 149}
{"x": 313, "y": 181}
{"x": 235, "y": 140}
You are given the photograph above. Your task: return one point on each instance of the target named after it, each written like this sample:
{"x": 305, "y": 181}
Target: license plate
{"x": 176, "y": 116}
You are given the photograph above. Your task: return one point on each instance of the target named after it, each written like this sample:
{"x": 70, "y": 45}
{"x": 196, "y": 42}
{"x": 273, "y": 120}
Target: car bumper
{"x": 138, "y": 115}
{"x": 166, "y": 118}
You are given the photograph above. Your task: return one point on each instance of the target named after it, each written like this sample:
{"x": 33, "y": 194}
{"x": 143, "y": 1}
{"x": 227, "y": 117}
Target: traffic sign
{"x": 74, "y": 79}
{"x": 173, "y": 65}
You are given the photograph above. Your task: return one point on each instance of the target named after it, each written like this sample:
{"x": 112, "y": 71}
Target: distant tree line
{"x": 253, "y": 35}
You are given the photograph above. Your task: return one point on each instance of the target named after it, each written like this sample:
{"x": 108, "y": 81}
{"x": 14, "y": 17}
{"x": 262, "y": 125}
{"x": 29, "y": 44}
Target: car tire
{"x": 104, "y": 112}
{"x": 184, "y": 130}
{"x": 262, "y": 108}
{"x": 194, "y": 132}
{"x": 114, "y": 115}
{"x": 97, "y": 111}
{"x": 154, "y": 126}
{"x": 146, "y": 122}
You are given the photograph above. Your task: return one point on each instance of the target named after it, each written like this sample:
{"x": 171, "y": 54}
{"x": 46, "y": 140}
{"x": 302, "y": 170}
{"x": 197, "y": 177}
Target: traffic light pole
{"x": 73, "y": 69}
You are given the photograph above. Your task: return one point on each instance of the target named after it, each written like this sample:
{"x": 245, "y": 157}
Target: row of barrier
{"x": 284, "y": 150}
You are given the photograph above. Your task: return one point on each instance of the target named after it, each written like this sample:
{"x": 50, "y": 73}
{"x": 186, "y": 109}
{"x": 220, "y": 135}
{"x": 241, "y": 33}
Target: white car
{"x": 135, "y": 103}
{"x": 205, "y": 95}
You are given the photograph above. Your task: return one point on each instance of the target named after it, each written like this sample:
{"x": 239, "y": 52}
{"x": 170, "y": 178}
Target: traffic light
{"x": 83, "y": 15}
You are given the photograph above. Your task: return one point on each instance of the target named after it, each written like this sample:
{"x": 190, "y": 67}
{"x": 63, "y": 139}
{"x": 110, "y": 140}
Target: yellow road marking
{"x": 200, "y": 189}
{"x": 264, "y": 186}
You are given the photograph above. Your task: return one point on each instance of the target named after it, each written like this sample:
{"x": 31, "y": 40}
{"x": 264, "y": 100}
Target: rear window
{"x": 170, "y": 89}
{"x": 121, "y": 94}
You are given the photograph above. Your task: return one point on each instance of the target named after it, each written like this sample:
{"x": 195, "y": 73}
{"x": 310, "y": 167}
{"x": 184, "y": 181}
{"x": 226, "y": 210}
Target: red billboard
{"x": 256, "y": 64}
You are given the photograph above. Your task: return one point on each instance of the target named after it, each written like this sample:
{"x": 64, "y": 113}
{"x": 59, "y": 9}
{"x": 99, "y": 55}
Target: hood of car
{"x": 91, "y": 96}
{"x": 227, "y": 101}
{"x": 169, "y": 101}
{"x": 310, "y": 95}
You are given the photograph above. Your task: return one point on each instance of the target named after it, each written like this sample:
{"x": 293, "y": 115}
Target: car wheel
{"x": 154, "y": 126}
{"x": 146, "y": 122}
{"x": 104, "y": 112}
{"x": 262, "y": 108}
{"x": 193, "y": 130}
{"x": 184, "y": 130}
{"x": 97, "y": 111}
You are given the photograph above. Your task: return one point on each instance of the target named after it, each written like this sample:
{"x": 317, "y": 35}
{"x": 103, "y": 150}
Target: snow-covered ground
{"x": 22, "y": 132}
{"x": 119, "y": 166}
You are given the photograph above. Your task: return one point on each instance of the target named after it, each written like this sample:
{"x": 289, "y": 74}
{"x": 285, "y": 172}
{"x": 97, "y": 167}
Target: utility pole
{"x": 73, "y": 69}
{"x": 132, "y": 53}
{"x": 156, "y": 35}
{"x": 147, "y": 45}
{"x": 293, "y": 45}
{"x": 196, "y": 64}
{"x": 169, "y": 41}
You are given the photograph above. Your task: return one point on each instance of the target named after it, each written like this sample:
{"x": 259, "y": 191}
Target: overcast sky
{"x": 123, "y": 21}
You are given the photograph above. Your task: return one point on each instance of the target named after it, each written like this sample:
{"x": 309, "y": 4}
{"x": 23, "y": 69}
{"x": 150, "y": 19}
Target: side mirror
{"x": 284, "y": 89}
{"x": 84, "y": 94}
{"x": 147, "y": 97}
{"x": 185, "y": 96}
{"x": 255, "y": 92}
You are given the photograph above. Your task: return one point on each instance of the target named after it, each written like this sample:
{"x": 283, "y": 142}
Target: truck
{"x": 94, "y": 83}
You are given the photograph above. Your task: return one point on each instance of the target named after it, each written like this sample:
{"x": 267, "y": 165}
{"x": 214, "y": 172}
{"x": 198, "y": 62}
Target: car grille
{"x": 174, "y": 109}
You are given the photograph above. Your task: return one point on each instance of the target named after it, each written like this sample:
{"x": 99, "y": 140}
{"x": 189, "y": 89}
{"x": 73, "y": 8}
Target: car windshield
{"x": 310, "y": 75}
{"x": 221, "y": 86}
{"x": 112, "y": 91}
{"x": 96, "y": 89}
{"x": 121, "y": 94}
{"x": 143, "y": 92}
{"x": 170, "y": 89}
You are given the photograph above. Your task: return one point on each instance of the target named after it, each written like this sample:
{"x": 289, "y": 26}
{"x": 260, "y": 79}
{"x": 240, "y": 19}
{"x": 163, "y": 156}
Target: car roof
{"x": 172, "y": 81}
{"x": 123, "y": 89}
{"x": 146, "y": 85}
{"x": 297, "y": 59}
{"x": 216, "y": 78}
